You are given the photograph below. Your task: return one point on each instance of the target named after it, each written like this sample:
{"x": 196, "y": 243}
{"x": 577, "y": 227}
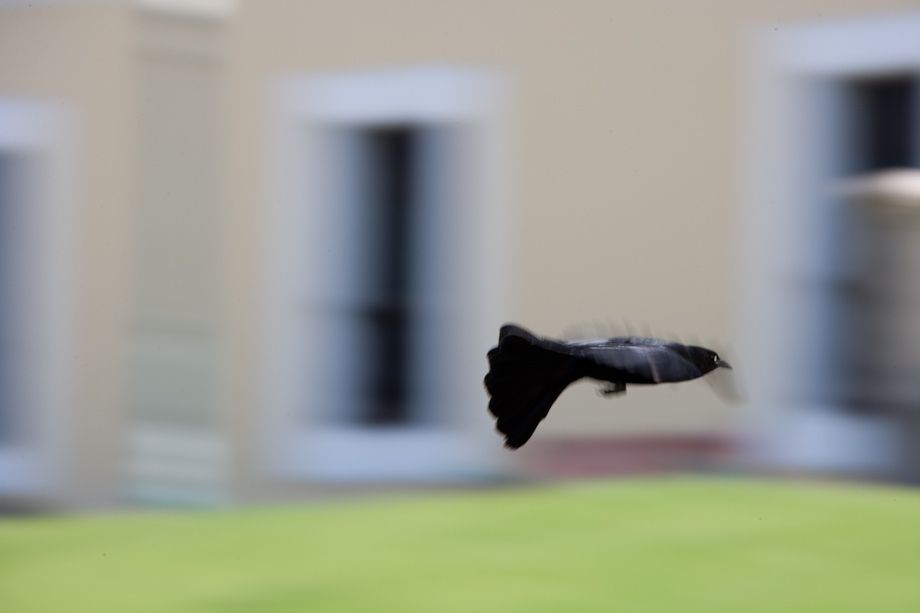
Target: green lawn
{"x": 679, "y": 544}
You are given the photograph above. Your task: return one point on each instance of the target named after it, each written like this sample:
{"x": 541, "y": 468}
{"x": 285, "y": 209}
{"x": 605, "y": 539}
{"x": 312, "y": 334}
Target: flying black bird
{"x": 527, "y": 373}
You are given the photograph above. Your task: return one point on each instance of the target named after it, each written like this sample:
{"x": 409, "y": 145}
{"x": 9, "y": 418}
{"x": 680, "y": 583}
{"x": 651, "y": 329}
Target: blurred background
{"x": 257, "y": 251}
{"x": 253, "y": 254}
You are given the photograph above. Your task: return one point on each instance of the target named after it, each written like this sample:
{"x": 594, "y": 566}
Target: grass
{"x": 679, "y": 544}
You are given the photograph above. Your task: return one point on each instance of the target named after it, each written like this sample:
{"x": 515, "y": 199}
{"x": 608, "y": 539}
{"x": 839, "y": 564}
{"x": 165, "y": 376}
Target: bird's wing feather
{"x": 645, "y": 363}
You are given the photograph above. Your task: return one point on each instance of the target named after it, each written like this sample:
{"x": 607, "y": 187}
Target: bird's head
{"x": 706, "y": 359}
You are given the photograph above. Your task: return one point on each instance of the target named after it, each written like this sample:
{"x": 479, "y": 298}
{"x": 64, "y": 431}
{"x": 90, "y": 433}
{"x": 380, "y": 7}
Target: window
{"x": 385, "y": 270}
{"x": 830, "y": 100}
{"x": 383, "y": 167}
{"x": 884, "y": 123}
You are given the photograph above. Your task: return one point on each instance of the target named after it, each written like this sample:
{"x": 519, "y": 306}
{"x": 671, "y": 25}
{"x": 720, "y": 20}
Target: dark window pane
{"x": 885, "y": 123}
{"x": 387, "y": 206}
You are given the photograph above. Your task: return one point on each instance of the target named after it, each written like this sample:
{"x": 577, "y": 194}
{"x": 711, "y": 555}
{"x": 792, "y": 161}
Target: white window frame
{"x": 780, "y": 232}
{"x": 298, "y": 105}
{"x": 35, "y": 467}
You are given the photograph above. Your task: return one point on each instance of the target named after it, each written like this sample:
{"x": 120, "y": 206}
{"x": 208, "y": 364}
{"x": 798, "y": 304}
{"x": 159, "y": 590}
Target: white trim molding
{"x": 193, "y": 8}
{"x": 41, "y": 132}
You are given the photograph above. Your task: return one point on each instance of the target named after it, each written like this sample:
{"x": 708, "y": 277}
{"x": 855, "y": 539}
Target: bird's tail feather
{"x": 526, "y": 375}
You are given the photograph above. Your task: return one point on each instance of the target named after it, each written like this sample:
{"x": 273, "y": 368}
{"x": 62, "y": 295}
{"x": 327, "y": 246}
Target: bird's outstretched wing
{"x": 641, "y": 362}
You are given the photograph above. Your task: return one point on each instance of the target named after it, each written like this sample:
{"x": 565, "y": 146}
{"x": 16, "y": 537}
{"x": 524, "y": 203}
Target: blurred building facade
{"x": 255, "y": 249}
{"x": 832, "y": 256}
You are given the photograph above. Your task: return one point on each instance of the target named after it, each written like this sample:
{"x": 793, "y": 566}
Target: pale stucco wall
{"x": 626, "y": 151}
{"x": 75, "y": 56}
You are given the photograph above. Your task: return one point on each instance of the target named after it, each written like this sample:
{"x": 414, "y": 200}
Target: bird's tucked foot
{"x": 613, "y": 388}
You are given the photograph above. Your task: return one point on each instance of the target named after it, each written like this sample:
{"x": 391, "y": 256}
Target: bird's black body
{"x": 527, "y": 373}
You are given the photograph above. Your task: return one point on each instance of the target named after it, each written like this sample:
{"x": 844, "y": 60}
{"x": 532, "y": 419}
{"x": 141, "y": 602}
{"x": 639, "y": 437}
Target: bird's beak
{"x": 724, "y": 364}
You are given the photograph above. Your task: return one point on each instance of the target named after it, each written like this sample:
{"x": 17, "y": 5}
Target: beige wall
{"x": 143, "y": 91}
{"x": 626, "y": 180}
{"x": 76, "y": 56}
{"x": 626, "y": 151}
